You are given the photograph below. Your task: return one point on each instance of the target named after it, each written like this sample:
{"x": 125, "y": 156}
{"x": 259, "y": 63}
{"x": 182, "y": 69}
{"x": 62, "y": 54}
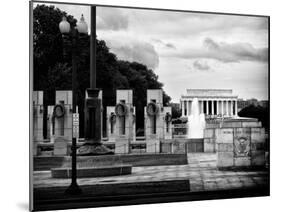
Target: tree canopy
{"x": 52, "y": 71}
{"x": 259, "y": 112}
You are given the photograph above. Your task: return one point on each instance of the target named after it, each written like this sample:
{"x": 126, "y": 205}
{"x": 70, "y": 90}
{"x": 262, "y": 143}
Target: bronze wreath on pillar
{"x": 168, "y": 117}
{"x": 121, "y": 109}
{"x": 59, "y": 111}
{"x": 152, "y": 109}
{"x": 112, "y": 117}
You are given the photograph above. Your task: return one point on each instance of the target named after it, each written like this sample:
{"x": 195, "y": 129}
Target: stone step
{"x": 143, "y": 159}
{"x": 85, "y": 172}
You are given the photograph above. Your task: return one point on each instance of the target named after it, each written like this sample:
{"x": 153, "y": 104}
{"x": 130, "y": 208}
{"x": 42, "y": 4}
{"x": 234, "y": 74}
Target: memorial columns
{"x": 227, "y": 108}
{"x": 231, "y": 108}
{"x": 182, "y": 108}
{"x": 202, "y": 106}
{"x": 236, "y": 108}
{"x": 189, "y": 107}
{"x": 212, "y": 103}
{"x": 222, "y": 109}
{"x": 185, "y": 108}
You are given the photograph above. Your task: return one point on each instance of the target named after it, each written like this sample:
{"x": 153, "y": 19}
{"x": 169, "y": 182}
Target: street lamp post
{"x": 73, "y": 35}
{"x": 93, "y": 104}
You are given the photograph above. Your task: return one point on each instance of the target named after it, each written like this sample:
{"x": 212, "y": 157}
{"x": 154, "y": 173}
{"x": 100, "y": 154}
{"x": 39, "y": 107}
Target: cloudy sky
{"x": 189, "y": 50}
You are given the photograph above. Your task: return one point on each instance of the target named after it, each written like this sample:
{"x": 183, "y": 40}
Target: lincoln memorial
{"x": 216, "y": 102}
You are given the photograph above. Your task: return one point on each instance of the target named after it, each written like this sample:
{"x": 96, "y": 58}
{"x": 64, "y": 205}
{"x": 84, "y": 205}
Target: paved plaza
{"x": 201, "y": 170}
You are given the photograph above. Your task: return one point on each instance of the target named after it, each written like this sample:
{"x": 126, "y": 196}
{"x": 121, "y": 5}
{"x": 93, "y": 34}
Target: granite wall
{"x": 240, "y": 145}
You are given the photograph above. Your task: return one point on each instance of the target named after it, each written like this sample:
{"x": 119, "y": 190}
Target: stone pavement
{"x": 201, "y": 171}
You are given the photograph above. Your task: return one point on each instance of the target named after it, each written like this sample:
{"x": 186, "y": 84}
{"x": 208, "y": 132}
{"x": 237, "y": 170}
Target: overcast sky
{"x": 189, "y": 50}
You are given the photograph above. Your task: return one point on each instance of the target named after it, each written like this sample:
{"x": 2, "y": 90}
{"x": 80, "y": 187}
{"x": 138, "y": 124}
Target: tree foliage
{"x": 52, "y": 71}
{"x": 176, "y": 112}
{"x": 47, "y": 42}
{"x": 259, "y": 112}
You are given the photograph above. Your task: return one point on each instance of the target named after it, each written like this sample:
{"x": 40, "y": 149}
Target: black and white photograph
{"x": 133, "y": 105}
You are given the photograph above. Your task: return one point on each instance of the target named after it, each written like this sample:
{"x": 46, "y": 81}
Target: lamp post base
{"x": 73, "y": 189}
{"x": 90, "y": 149}
{"x": 93, "y": 125}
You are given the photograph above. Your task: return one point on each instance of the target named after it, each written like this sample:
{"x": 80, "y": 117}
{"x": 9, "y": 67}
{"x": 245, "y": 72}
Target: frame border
{"x": 196, "y": 196}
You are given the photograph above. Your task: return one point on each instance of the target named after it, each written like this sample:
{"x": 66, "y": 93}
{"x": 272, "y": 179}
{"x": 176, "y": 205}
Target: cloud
{"x": 210, "y": 44}
{"x": 201, "y": 65}
{"x": 112, "y": 19}
{"x": 235, "y": 52}
{"x": 170, "y": 45}
{"x": 164, "y": 44}
{"x": 134, "y": 50}
{"x": 224, "y": 52}
{"x": 167, "y": 24}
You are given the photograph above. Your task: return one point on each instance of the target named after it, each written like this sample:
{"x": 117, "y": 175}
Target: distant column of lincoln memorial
{"x": 216, "y": 102}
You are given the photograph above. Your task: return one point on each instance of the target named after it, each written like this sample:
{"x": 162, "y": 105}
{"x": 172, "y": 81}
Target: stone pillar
{"x": 63, "y": 125}
{"x": 231, "y": 108}
{"x": 189, "y": 108}
{"x": 236, "y": 108}
{"x": 60, "y": 117}
{"x": 190, "y": 103}
{"x": 125, "y": 123}
{"x": 185, "y": 108}
{"x": 227, "y": 109}
{"x": 202, "y": 106}
{"x": 212, "y": 107}
{"x": 38, "y": 110}
{"x": 154, "y": 120}
{"x": 182, "y": 108}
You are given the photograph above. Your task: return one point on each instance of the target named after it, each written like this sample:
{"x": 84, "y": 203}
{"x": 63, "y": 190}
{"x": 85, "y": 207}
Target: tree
{"x": 259, "y": 112}
{"x": 52, "y": 71}
{"x": 47, "y": 42}
{"x": 176, "y": 112}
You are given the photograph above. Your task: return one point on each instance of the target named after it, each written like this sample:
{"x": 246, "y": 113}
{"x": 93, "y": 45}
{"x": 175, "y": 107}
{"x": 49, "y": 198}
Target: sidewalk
{"x": 201, "y": 172}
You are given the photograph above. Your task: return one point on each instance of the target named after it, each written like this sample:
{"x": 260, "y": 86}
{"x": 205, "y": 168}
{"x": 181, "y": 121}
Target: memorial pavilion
{"x": 214, "y": 102}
